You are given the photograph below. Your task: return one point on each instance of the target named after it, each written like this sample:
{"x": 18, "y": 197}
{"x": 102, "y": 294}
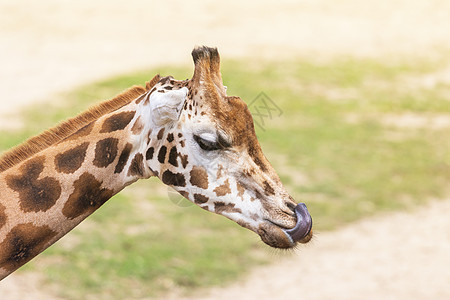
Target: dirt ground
{"x": 49, "y": 46}
{"x": 395, "y": 256}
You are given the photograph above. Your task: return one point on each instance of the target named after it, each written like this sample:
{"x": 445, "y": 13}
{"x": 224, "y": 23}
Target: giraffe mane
{"x": 56, "y": 134}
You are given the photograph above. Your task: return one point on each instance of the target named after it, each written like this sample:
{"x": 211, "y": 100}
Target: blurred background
{"x": 361, "y": 135}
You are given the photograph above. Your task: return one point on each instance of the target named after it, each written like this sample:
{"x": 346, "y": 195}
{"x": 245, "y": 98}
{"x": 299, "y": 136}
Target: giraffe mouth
{"x": 278, "y": 236}
{"x": 301, "y": 232}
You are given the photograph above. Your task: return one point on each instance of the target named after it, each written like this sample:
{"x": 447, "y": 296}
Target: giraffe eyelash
{"x": 208, "y": 145}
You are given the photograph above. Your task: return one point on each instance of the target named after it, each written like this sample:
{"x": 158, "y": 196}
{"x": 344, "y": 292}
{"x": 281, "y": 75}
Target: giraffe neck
{"x": 48, "y": 194}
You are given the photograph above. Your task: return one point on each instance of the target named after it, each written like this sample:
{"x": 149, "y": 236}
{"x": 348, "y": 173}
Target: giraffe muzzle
{"x": 302, "y": 229}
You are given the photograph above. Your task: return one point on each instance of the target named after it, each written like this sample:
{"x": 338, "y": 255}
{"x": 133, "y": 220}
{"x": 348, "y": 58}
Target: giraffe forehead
{"x": 233, "y": 118}
{"x": 230, "y": 115}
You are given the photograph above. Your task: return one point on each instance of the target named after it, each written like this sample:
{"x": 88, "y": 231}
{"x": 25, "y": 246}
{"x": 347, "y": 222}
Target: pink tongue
{"x": 303, "y": 226}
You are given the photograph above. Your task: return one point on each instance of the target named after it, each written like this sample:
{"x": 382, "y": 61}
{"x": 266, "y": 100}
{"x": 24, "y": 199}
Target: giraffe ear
{"x": 166, "y": 106}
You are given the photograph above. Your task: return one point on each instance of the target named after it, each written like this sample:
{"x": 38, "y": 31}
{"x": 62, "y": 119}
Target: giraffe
{"x": 188, "y": 133}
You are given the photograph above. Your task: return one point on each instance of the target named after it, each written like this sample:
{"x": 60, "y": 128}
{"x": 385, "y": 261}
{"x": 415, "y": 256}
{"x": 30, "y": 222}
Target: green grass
{"x": 330, "y": 147}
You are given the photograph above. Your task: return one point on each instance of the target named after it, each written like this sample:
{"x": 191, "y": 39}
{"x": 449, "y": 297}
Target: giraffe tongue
{"x": 303, "y": 226}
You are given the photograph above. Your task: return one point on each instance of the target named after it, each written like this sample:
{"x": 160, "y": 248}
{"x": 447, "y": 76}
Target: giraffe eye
{"x": 207, "y": 145}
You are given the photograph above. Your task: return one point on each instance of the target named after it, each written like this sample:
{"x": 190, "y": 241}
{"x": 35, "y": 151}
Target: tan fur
{"x": 66, "y": 128}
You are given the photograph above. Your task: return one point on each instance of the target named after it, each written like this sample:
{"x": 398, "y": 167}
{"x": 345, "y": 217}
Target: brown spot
{"x": 137, "y": 126}
{"x": 240, "y": 188}
{"x": 173, "y": 154}
{"x": 147, "y": 99}
{"x": 117, "y": 122}
{"x": 88, "y": 195}
{"x": 137, "y": 166}
{"x": 162, "y": 154}
{"x": 84, "y": 131}
{"x": 22, "y": 243}
{"x": 180, "y": 135}
{"x": 205, "y": 207}
{"x": 220, "y": 207}
{"x": 71, "y": 160}
{"x": 184, "y": 160}
{"x": 164, "y": 80}
{"x": 3, "y": 216}
{"x": 223, "y": 189}
{"x": 182, "y": 143}
{"x": 105, "y": 152}
{"x": 199, "y": 177}
{"x": 123, "y": 158}
{"x": 173, "y": 179}
{"x": 149, "y": 153}
{"x": 139, "y": 99}
{"x": 200, "y": 199}
{"x": 170, "y": 137}
{"x": 34, "y": 194}
{"x": 268, "y": 189}
{"x": 160, "y": 134}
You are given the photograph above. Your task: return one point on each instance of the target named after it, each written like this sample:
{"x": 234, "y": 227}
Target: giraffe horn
{"x": 207, "y": 67}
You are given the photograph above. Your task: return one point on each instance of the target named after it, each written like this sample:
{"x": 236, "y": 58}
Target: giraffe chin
{"x": 279, "y": 237}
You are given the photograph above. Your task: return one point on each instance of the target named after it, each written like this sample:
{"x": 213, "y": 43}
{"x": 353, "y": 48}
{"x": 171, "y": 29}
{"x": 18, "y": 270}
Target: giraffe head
{"x": 203, "y": 144}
